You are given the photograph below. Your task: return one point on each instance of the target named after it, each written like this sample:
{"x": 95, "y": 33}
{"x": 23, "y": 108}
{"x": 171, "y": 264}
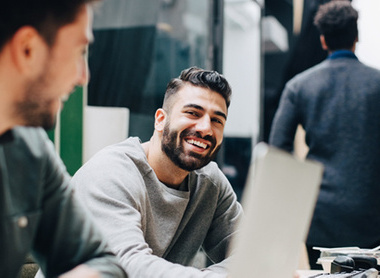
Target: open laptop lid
{"x": 278, "y": 202}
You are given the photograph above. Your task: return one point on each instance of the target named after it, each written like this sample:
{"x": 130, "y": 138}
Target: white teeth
{"x": 197, "y": 143}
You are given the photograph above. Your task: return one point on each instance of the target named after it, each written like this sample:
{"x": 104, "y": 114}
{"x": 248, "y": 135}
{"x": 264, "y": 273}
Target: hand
{"x": 81, "y": 271}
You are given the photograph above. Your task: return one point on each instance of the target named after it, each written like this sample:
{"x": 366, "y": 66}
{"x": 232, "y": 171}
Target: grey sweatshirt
{"x": 155, "y": 230}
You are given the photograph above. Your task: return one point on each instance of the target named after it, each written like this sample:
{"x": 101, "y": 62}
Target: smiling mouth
{"x": 197, "y": 143}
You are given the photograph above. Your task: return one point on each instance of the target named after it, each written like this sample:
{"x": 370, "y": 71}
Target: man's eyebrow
{"x": 221, "y": 114}
{"x": 198, "y": 107}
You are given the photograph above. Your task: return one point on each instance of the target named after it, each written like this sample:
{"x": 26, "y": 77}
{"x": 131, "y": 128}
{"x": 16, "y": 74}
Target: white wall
{"x": 103, "y": 126}
{"x": 368, "y": 47}
{"x": 242, "y": 66}
{"x": 242, "y": 58}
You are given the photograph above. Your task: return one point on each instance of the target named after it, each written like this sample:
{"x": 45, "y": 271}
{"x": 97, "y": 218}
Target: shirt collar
{"x": 7, "y": 137}
{"x": 342, "y": 54}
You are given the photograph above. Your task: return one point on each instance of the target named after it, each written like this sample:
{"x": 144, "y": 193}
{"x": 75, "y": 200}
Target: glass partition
{"x": 139, "y": 46}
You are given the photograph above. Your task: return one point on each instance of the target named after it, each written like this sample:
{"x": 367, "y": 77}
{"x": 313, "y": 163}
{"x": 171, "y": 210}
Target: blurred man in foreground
{"x": 42, "y": 47}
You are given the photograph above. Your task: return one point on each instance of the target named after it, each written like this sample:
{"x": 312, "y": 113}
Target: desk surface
{"x": 307, "y": 273}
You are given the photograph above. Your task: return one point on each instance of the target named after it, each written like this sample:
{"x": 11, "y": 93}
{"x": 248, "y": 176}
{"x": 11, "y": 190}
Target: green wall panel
{"x": 71, "y": 131}
{"x": 50, "y": 134}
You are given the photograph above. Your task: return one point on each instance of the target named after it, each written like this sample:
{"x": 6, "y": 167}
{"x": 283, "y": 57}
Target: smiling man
{"x": 42, "y": 43}
{"x": 160, "y": 201}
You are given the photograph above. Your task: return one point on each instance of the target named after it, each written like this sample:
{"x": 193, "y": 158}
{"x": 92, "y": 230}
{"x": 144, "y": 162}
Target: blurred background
{"x": 141, "y": 44}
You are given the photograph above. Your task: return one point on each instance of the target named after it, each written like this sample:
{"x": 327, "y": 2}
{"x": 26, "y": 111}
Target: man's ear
{"x": 323, "y": 42}
{"x": 28, "y": 50}
{"x": 160, "y": 119}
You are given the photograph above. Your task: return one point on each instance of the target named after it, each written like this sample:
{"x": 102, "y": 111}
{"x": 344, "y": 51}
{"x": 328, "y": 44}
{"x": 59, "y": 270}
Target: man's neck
{"x": 166, "y": 171}
{"x": 10, "y": 90}
{"x": 5, "y": 123}
{"x": 352, "y": 49}
{"x": 7, "y": 120}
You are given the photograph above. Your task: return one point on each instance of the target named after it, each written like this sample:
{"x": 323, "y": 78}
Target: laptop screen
{"x": 278, "y": 201}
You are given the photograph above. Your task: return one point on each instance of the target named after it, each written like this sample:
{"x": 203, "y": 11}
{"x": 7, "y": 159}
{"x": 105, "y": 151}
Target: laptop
{"x": 278, "y": 201}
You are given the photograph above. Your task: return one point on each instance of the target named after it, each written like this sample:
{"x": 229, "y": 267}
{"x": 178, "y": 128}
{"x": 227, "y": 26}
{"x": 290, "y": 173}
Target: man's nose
{"x": 204, "y": 126}
{"x": 83, "y": 73}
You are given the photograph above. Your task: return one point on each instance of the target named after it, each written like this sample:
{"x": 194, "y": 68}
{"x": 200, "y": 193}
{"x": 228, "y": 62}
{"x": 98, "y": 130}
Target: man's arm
{"x": 80, "y": 272}
{"x": 66, "y": 236}
{"x": 228, "y": 213}
{"x": 285, "y": 121}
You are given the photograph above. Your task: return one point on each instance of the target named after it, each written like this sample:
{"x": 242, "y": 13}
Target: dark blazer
{"x": 338, "y": 104}
{"x": 38, "y": 211}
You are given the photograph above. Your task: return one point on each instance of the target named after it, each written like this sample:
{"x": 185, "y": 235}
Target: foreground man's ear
{"x": 28, "y": 49}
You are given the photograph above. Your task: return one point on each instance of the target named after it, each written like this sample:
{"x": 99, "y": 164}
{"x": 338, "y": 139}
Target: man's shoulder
{"x": 211, "y": 167}
{"x": 34, "y": 139}
{"x": 26, "y": 133}
{"x": 114, "y": 169}
{"x": 352, "y": 70}
{"x": 310, "y": 73}
{"x": 130, "y": 147}
{"x": 212, "y": 172}
{"x": 126, "y": 158}
{"x": 369, "y": 71}
{"x": 350, "y": 66}
{"x": 332, "y": 68}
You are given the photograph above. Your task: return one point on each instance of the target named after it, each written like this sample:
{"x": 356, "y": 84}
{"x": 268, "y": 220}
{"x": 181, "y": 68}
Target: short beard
{"x": 190, "y": 161}
{"x": 33, "y": 110}
{"x": 33, "y": 115}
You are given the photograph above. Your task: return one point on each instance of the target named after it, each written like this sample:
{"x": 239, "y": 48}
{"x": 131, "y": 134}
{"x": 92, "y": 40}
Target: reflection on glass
{"x": 139, "y": 46}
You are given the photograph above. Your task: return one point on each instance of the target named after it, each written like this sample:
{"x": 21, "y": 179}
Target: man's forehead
{"x": 200, "y": 98}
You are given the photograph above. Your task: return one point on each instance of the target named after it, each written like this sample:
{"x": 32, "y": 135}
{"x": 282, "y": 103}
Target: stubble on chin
{"x": 176, "y": 152}
{"x": 35, "y": 114}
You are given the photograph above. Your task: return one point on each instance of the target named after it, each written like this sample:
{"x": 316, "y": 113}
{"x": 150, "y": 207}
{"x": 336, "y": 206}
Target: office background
{"x": 141, "y": 44}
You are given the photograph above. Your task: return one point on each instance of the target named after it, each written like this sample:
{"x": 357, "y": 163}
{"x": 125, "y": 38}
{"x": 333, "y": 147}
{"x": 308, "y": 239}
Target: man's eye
{"x": 191, "y": 113}
{"x": 218, "y": 121}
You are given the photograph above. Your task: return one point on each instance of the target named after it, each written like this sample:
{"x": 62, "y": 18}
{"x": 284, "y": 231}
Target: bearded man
{"x": 42, "y": 47}
{"x": 160, "y": 201}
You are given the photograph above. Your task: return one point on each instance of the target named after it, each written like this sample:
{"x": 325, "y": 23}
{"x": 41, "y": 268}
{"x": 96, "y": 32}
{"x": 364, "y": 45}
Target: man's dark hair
{"x": 337, "y": 22}
{"x": 201, "y": 78}
{"x": 46, "y": 16}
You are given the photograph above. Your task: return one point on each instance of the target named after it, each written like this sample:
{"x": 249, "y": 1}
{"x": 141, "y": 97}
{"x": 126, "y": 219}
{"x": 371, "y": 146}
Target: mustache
{"x": 194, "y": 133}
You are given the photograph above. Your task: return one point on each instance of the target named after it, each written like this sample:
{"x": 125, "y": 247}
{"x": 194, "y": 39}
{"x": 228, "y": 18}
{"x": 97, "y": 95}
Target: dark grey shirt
{"x": 338, "y": 104}
{"x": 39, "y": 214}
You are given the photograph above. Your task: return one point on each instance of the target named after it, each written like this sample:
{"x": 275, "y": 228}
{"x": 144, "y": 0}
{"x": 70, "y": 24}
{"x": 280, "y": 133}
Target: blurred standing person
{"x": 305, "y": 52}
{"x": 337, "y": 102}
{"x": 42, "y": 47}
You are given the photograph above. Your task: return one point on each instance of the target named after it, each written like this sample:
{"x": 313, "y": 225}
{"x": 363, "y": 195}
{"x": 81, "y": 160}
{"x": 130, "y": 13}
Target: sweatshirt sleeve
{"x": 228, "y": 212}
